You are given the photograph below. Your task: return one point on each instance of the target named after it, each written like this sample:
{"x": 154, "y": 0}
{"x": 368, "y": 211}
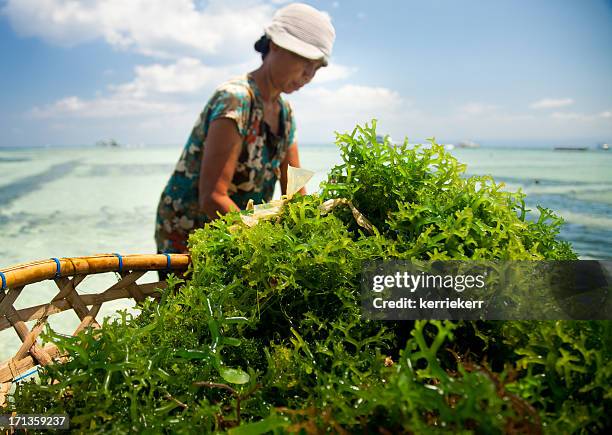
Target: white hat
{"x": 303, "y": 30}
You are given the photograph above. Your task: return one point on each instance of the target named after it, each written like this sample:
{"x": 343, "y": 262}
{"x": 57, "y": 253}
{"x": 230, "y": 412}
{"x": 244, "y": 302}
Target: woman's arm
{"x": 292, "y": 158}
{"x": 221, "y": 152}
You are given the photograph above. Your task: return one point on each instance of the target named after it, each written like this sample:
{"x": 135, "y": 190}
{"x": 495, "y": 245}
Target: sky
{"x": 501, "y": 73}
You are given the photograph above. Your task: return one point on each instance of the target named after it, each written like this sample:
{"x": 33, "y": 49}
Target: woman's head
{"x": 289, "y": 71}
{"x": 297, "y": 43}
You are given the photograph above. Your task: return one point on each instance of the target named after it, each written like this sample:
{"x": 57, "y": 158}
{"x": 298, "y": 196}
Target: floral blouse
{"x": 257, "y": 169}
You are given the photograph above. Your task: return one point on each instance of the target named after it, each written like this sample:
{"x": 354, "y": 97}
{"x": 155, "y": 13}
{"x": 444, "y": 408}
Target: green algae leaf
{"x": 234, "y": 376}
{"x": 193, "y": 354}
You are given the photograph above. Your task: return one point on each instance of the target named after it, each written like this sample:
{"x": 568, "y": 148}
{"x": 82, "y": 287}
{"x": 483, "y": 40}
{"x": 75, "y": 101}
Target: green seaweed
{"x": 266, "y": 335}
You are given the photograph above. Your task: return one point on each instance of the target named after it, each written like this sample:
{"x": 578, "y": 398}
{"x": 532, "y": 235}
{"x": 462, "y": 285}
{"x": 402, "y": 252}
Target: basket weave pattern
{"x": 72, "y": 272}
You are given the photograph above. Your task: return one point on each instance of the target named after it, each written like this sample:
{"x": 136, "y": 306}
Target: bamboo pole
{"x": 28, "y": 273}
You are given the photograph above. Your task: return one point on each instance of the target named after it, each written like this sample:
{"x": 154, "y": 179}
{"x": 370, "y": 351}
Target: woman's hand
{"x": 221, "y": 152}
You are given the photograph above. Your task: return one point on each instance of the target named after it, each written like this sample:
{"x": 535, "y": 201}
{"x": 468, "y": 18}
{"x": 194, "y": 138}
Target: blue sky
{"x": 511, "y": 73}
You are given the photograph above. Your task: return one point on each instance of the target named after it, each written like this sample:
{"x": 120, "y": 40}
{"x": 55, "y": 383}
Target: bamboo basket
{"x": 68, "y": 273}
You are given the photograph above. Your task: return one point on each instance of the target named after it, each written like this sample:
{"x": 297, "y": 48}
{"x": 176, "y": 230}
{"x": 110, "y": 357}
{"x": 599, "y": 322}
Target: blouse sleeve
{"x": 233, "y": 102}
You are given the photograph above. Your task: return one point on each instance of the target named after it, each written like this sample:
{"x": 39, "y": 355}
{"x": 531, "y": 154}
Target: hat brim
{"x": 289, "y": 42}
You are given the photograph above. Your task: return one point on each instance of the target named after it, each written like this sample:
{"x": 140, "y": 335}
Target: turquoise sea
{"x": 65, "y": 202}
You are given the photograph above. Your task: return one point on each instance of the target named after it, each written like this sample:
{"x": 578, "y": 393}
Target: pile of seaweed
{"x": 266, "y": 335}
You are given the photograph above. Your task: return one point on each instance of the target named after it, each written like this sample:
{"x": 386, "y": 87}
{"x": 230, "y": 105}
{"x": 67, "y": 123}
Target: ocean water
{"x": 66, "y": 202}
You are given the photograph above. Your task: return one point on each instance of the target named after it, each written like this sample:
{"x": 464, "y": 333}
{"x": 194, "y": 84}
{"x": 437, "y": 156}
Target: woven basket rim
{"x": 72, "y": 271}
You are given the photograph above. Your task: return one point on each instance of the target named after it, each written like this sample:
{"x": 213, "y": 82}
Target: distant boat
{"x": 111, "y": 143}
{"x": 107, "y": 143}
{"x": 564, "y": 148}
{"x": 468, "y": 144}
{"x": 604, "y": 146}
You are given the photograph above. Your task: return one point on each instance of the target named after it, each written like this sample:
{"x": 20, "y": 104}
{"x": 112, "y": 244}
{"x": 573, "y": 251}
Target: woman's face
{"x": 290, "y": 71}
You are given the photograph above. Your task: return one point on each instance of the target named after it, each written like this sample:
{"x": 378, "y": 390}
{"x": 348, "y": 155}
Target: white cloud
{"x": 156, "y": 28}
{"x": 187, "y": 75}
{"x": 567, "y": 115}
{"x": 350, "y": 100}
{"x": 333, "y": 72}
{"x": 476, "y": 109}
{"x": 322, "y": 110}
{"x": 551, "y": 103}
{"x": 105, "y": 107}
{"x": 156, "y": 89}
{"x": 582, "y": 116}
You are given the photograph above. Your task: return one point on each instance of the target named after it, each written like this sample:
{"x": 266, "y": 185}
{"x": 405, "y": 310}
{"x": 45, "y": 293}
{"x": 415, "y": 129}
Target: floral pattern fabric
{"x": 257, "y": 169}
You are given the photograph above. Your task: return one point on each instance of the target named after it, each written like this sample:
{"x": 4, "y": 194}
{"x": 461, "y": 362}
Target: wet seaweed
{"x": 265, "y": 335}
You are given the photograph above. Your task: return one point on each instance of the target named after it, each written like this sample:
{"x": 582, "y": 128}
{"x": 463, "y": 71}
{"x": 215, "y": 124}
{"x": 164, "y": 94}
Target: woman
{"x": 245, "y": 138}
